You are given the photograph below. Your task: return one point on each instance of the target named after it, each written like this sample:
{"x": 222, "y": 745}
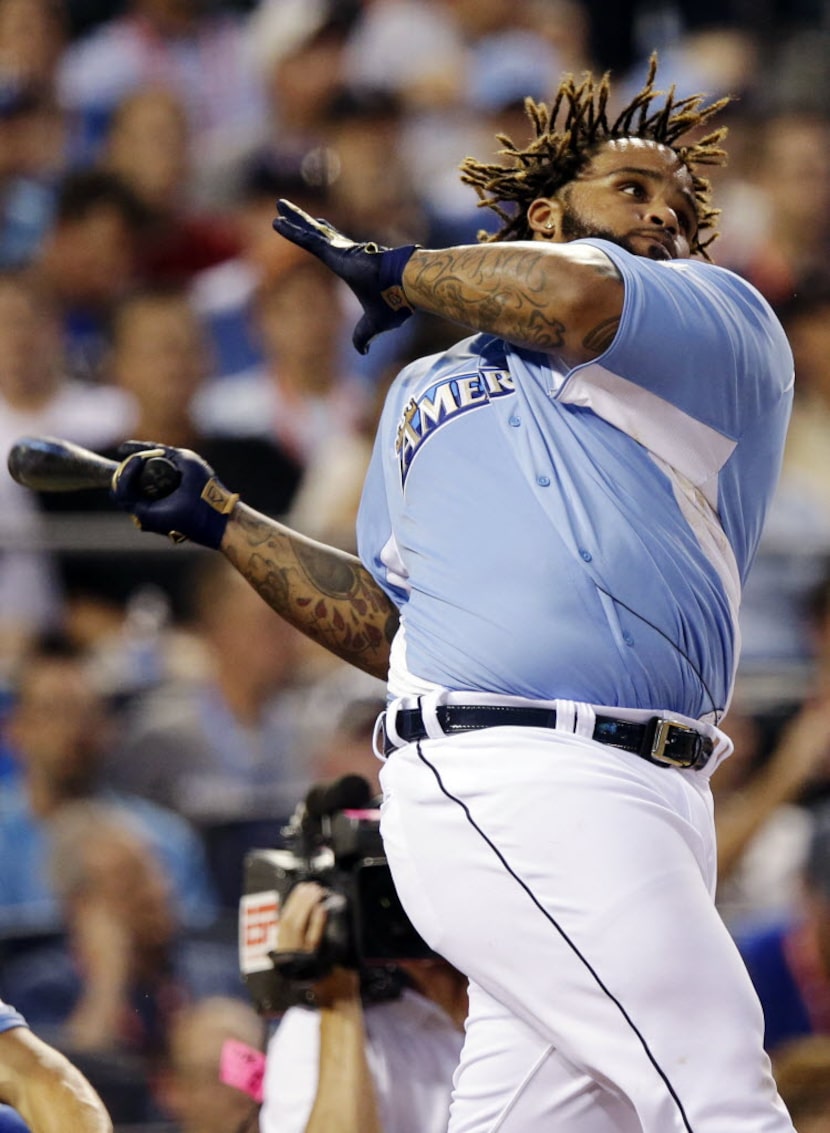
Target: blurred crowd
{"x": 157, "y": 719}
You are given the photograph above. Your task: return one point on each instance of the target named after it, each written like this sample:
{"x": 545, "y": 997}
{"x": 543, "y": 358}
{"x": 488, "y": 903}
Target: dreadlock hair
{"x": 555, "y": 156}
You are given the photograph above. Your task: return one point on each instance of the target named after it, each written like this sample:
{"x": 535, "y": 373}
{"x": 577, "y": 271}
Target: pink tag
{"x": 242, "y": 1067}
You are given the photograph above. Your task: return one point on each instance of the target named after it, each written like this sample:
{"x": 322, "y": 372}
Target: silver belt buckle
{"x": 661, "y": 738}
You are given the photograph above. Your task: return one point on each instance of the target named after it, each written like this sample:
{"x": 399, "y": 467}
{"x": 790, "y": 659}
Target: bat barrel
{"x": 50, "y": 464}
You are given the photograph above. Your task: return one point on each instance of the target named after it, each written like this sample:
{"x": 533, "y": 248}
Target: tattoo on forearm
{"x": 508, "y": 291}
{"x": 327, "y": 594}
{"x": 601, "y": 336}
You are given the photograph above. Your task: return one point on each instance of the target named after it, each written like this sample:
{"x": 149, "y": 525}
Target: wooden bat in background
{"x": 49, "y": 464}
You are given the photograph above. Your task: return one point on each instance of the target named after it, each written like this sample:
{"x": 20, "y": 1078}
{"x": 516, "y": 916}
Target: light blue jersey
{"x": 10, "y": 1018}
{"x": 584, "y": 535}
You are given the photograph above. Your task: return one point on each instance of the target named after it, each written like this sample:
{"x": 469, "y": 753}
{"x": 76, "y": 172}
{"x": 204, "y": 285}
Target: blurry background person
{"x": 763, "y": 817}
{"x": 33, "y": 37}
{"x": 223, "y": 294}
{"x": 347, "y": 748}
{"x": 37, "y": 397}
{"x": 148, "y": 143}
{"x": 42, "y": 1085}
{"x": 225, "y": 748}
{"x": 157, "y": 359}
{"x": 789, "y": 962}
{"x": 298, "y": 47}
{"x": 190, "y": 1087}
{"x": 108, "y": 997}
{"x": 160, "y": 358}
{"x": 61, "y": 732}
{"x": 199, "y": 51}
{"x": 301, "y": 397}
{"x": 792, "y": 152}
{"x": 87, "y": 259}
{"x": 795, "y": 546}
{"x": 30, "y": 163}
{"x": 34, "y": 132}
{"x": 802, "y": 1073}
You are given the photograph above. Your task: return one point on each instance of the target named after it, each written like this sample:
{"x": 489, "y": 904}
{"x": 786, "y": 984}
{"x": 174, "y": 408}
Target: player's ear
{"x": 544, "y": 217}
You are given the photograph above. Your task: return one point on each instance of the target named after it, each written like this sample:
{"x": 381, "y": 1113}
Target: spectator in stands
{"x": 37, "y": 397}
{"x": 88, "y": 259}
{"x": 795, "y": 544}
{"x": 761, "y": 814}
{"x": 33, "y": 36}
{"x": 224, "y": 749}
{"x": 158, "y": 359}
{"x": 792, "y": 151}
{"x": 30, "y": 153}
{"x": 61, "y": 731}
{"x": 790, "y": 963}
{"x": 802, "y": 1073}
{"x": 148, "y": 144}
{"x": 223, "y": 295}
{"x": 196, "y": 50}
{"x": 298, "y": 48}
{"x": 109, "y": 997}
{"x": 347, "y": 749}
{"x": 191, "y": 1088}
{"x": 301, "y": 396}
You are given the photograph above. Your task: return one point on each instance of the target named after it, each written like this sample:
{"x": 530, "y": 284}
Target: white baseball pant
{"x": 573, "y": 883}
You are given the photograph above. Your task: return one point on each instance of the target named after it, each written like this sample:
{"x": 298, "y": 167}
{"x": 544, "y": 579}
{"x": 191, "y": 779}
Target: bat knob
{"x": 159, "y": 477}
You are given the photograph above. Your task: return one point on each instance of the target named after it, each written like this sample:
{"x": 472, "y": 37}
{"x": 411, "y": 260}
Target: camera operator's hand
{"x": 301, "y": 928}
{"x": 302, "y": 918}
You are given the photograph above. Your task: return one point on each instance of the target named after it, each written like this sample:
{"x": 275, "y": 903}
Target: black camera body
{"x": 366, "y": 927}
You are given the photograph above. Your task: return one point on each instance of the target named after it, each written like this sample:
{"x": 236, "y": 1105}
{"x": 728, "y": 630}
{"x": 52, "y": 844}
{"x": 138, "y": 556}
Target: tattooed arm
{"x": 560, "y": 298}
{"x": 326, "y": 593}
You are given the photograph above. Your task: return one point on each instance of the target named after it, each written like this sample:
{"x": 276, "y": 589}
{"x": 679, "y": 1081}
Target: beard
{"x": 574, "y": 227}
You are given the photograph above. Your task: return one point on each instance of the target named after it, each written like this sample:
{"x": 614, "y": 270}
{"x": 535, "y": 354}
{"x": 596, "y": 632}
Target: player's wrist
{"x": 393, "y": 263}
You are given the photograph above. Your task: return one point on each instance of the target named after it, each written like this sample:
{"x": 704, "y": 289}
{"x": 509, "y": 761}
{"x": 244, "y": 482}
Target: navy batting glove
{"x": 374, "y": 273}
{"x": 197, "y": 509}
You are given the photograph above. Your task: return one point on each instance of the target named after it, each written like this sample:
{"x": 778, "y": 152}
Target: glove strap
{"x": 392, "y": 263}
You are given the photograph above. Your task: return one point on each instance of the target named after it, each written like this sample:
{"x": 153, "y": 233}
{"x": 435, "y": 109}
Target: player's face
{"x": 635, "y": 193}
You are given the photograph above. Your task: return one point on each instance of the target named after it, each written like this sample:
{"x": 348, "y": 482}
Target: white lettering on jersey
{"x": 443, "y": 402}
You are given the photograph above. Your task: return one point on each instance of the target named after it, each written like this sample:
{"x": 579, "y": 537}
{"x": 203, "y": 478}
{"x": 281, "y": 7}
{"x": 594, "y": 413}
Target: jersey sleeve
{"x": 10, "y": 1018}
{"x": 701, "y": 374}
{"x": 699, "y": 359}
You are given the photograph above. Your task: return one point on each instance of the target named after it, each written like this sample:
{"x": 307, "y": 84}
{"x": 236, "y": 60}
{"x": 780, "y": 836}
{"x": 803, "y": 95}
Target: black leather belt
{"x": 659, "y": 740}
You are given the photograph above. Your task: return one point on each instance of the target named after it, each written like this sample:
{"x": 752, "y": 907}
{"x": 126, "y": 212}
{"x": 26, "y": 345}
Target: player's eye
{"x": 633, "y": 189}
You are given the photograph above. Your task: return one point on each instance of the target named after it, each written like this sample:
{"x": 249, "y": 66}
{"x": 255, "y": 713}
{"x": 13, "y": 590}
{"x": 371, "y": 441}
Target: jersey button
{"x": 628, "y": 639}
{"x": 515, "y": 421}
{"x": 543, "y": 481}
{"x": 586, "y": 555}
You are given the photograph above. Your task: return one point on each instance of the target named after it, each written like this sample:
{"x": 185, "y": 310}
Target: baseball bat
{"x": 49, "y": 464}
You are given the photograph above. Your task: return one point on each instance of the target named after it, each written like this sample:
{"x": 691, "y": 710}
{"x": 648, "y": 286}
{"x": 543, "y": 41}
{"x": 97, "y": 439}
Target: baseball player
{"x": 42, "y": 1085}
{"x": 555, "y": 527}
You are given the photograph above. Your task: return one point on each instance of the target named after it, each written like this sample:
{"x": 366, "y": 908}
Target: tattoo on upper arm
{"x": 600, "y": 337}
{"x": 508, "y": 292}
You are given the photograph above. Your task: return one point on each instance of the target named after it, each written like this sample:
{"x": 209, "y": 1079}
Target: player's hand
{"x": 374, "y": 273}
{"x": 197, "y": 509}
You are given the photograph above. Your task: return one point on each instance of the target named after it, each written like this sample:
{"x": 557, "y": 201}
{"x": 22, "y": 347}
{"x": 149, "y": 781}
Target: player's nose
{"x": 662, "y": 215}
